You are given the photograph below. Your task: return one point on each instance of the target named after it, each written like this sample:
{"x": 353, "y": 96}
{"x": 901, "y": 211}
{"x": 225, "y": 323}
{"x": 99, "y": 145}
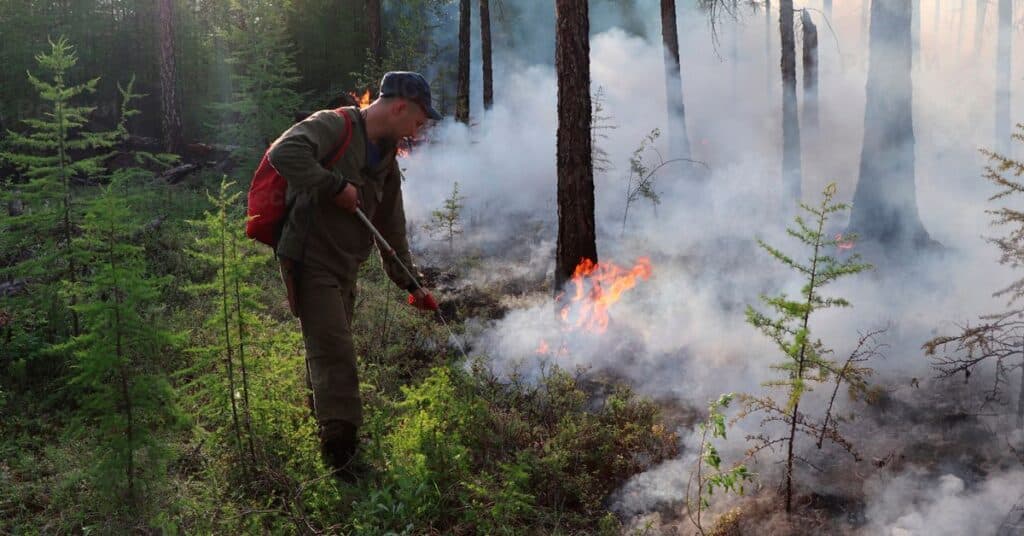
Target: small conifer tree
{"x": 806, "y": 360}
{"x": 446, "y": 222}
{"x": 126, "y": 400}
{"x": 45, "y": 158}
{"x": 219, "y": 245}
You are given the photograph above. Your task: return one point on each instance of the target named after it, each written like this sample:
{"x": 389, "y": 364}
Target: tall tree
{"x": 679, "y": 142}
{"x": 915, "y": 9}
{"x": 577, "y": 238}
{"x": 979, "y": 24}
{"x": 790, "y": 122}
{"x": 462, "y": 96}
{"x": 768, "y": 48}
{"x": 373, "y": 25}
{"x": 485, "y": 52}
{"x": 810, "y": 63}
{"x": 885, "y": 204}
{"x": 171, "y": 116}
{"x": 1004, "y": 50}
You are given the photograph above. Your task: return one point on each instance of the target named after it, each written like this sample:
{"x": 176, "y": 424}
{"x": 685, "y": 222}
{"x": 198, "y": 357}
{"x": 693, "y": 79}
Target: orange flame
{"x": 843, "y": 244}
{"x": 596, "y": 287}
{"x": 363, "y": 100}
{"x": 543, "y": 349}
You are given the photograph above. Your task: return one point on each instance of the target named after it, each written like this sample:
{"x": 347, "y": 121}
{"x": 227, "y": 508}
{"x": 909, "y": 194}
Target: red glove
{"x": 426, "y": 303}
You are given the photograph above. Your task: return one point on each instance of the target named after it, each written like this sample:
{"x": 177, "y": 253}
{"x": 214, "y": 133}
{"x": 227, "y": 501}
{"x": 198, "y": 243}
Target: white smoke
{"x": 682, "y": 333}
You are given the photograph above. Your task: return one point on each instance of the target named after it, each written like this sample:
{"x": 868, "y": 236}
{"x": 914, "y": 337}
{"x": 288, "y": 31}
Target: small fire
{"x": 842, "y": 244}
{"x": 363, "y": 100}
{"x": 543, "y": 349}
{"x": 596, "y": 287}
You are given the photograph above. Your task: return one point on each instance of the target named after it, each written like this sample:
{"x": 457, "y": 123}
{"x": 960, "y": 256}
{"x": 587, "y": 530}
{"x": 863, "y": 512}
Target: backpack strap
{"x": 346, "y": 138}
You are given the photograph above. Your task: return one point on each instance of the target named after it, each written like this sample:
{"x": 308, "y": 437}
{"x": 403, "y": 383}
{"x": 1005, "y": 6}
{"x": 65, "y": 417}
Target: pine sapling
{"x": 218, "y": 246}
{"x": 446, "y": 222}
{"x": 44, "y": 159}
{"x": 126, "y": 398}
{"x": 789, "y": 327}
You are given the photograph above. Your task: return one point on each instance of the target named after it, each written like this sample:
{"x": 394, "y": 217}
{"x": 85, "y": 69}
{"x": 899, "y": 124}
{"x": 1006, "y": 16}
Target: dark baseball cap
{"x": 409, "y": 85}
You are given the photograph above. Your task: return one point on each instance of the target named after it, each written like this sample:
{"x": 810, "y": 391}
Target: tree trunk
{"x": 485, "y": 51}
{"x": 810, "y": 62}
{"x": 979, "y": 25}
{"x": 576, "y": 227}
{"x": 790, "y": 122}
{"x": 171, "y": 118}
{"x": 769, "y": 86}
{"x": 679, "y": 142}
{"x": 915, "y": 35}
{"x": 827, "y": 7}
{"x": 1004, "y": 47}
{"x": 884, "y": 204}
{"x": 376, "y": 35}
{"x": 462, "y": 96}
{"x": 960, "y": 32}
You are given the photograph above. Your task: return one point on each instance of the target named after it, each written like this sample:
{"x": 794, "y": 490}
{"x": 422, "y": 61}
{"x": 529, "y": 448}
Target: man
{"x": 323, "y": 242}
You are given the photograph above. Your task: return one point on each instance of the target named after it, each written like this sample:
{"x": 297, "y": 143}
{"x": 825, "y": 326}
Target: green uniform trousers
{"x": 325, "y": 304}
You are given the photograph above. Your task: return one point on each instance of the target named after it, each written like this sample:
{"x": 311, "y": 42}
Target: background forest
{"x": 783, "y": 239}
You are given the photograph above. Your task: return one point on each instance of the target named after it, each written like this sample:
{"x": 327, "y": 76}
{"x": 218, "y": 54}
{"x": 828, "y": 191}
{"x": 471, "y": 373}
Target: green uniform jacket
{"x": 318, "y": 232}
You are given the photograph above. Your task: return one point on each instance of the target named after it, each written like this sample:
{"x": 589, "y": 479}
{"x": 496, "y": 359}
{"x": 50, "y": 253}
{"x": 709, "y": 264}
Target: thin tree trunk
{"x": 915, "y": 35}
{"x": 1003, "y": 68}
{"x": 170, "y": 108}
{"x": 376, "y": 43}
{"x": 885, "y": 202}
{"x": 769, "y": 68}
{"x": 485, "y": 52}
{"x": 679, "y": 141}
{"x": 576, "y": 228}
{"x": 247, "y": 413}
{"x": 462, "y": 98}
{"x": 790, "y": 122}
{"x": 962, "y": 29}
{"x": 979, "y": 25}
{"x": 229, "y": 354}
{"x": 1020, "y": 400}
{"x": 810, "y": 62}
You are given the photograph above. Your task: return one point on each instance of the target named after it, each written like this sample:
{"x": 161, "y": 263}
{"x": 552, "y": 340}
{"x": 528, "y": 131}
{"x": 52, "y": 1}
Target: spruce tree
{"x": 126, "y": 400}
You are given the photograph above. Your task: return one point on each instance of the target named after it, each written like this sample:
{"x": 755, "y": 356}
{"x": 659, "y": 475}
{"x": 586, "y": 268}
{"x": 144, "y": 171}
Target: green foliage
{"x": 728, "y": 481}
{"x": 788, "y": 326}
{"x": 220, "y": 245}
{"x": 446, "y": 223}
{"x": 408, "y": 43}
{"x": 38, "y": 242}
{"x": 264, "y": 78}
{"x": 126, "y": 400}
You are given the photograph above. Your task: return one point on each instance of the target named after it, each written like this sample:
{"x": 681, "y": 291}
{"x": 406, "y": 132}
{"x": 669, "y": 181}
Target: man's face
{"x": 409, "y": 117}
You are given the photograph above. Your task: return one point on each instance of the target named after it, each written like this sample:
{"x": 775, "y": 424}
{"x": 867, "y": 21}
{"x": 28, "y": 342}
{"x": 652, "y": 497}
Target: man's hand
{"x": 348, "y": 198}
{"x": 423, "y": 300}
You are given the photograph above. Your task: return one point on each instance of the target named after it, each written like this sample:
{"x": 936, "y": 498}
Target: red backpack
{"x": 267, "y": 194}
